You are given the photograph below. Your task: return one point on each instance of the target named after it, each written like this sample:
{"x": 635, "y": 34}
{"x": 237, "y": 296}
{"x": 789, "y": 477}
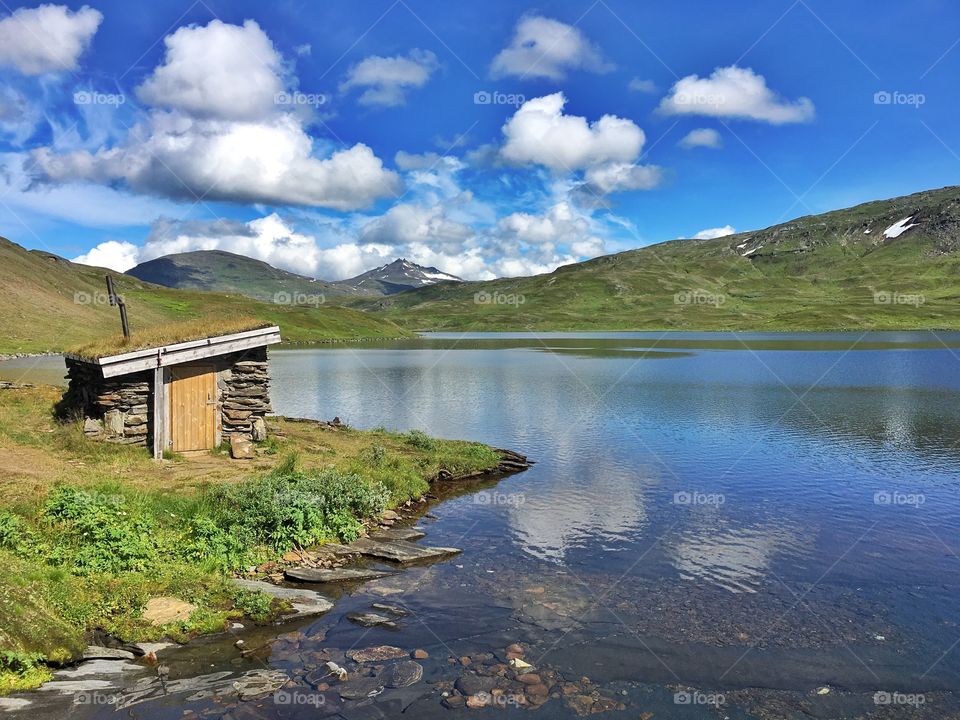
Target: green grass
{"x": 815, "y": 273}
{"x": 49, "y": 304}
{"x": 167, "y": 334}
{"x": 90, "y": 532}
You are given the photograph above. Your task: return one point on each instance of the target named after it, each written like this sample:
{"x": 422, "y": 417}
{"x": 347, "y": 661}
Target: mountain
{"x": 887, "y": 264}
{"x": 396, "y": 277}
{"x": 48, "y": 303}
{"x": 224, "y": 272}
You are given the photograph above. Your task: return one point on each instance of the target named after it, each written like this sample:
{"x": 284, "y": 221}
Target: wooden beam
{"x": 174, "y": 355}
{"x": 159, "y": 413}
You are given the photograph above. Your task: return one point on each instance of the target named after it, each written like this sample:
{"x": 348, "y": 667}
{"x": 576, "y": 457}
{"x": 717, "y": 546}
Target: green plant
{"x": 420, "y": 440}
{"x": 256, "y": 605}
{"x": 13, "y": 531}
{"x": 99, "y": 532}
{"x": 21, "y": 671}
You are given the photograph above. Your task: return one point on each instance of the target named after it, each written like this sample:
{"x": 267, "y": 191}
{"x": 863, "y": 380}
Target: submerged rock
{"x": 402, "y": 674}
{"x": 378, "y": 653}
{"x": 363, "y": 687}
{"x": 371, "y": 620}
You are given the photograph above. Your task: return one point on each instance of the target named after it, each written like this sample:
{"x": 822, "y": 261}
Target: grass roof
{"x": 169, "y": 334}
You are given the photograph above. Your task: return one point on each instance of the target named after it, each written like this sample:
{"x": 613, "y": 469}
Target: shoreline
{"x": 405, "y": 472}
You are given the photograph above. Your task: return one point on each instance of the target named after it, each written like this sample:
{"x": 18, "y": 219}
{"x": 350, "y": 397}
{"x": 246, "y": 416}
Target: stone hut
{"x": 186, "y": 396}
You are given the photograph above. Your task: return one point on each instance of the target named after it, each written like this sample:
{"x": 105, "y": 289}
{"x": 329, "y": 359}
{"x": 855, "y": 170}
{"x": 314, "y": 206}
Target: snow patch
{"x": 867, "y": 231}
{"x": 898, "y": 229}
{"x": 751, "y": 252}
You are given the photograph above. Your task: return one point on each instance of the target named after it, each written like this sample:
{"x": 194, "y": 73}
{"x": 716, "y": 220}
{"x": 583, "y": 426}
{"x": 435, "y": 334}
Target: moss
{"x": 166, "y": 335}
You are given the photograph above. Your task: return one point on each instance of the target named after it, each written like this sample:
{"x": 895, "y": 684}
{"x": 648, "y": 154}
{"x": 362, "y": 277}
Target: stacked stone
{"x": 112, "y": 410}
{"x": 245, "y": 392}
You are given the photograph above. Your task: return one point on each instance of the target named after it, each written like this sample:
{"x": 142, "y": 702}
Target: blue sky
{"x": 488, "y": 139}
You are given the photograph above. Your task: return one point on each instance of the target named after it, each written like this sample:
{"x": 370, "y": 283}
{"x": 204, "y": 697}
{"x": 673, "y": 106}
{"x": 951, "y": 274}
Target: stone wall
{"x": 121, "y": 409}
{"x": 118, "y": 410}
{"x": 243, "y": 382}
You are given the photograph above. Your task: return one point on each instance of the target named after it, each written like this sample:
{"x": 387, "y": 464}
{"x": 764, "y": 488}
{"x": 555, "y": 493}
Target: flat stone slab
{"x": 304, "y": 602}
{"x": 401, "y": 551}
{"x": 371, "y": 620}
{"x": 392, "y": 609}
{"x": 97, "y": 652}
{"x": 377, "y": 654}
{"x": 399, "y": 534}
{"x": 402, "y": 674}
{"x": 336, "y": 575}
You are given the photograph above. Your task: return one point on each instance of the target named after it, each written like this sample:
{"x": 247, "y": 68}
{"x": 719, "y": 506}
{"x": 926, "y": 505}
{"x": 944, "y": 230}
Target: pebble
{"x": 480, "y": 700}
{"x": 529, "y": 679}
{"x": 420, "y": 654}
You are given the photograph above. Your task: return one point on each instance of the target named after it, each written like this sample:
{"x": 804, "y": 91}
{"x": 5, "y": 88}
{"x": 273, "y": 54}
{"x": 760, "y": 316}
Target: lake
{"x": 765, "y": 522}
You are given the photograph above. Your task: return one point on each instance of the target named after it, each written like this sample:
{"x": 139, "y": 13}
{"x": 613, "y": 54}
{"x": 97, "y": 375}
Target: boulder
{"x": 259, "y": 429}
{"x": 164, "y": 610}
{"x": 241, "y": 448}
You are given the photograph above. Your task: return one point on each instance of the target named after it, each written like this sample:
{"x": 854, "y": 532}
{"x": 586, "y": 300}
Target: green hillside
{"x": 225, "y": 272}
{"x": 831, "y": 271}
{"x": 48, "y": 303}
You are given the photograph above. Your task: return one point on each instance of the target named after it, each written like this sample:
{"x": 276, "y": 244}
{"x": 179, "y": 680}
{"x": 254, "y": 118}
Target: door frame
{"x": 163, "y": 436}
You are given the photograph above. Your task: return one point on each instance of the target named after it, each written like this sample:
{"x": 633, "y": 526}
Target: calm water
{"x": 753, "y": 515}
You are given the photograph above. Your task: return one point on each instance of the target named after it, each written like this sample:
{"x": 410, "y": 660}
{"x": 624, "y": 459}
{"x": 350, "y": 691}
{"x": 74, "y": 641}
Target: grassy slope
{"x": 223, "y": 272}
{"x": 818, "y": 272}
{"x": 48, "y": 303}
{"x": 150, "y": 514}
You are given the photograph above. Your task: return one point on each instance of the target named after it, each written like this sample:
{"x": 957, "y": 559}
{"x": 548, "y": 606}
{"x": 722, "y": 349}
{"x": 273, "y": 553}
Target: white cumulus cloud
{"x": 220, "y": 71}
{"x": 606, "y": 149}
{"x": 640, "y": 85}
{"x": 232, "y": 144}
{"x": 47, "y": 39}
{"x": 734, "y": 92}
{"x": 114, "y": 254}
{"x": 546, "y": 48}
{"x": 701, "y": 137}
{"x": 711, "y": 233}
{"x": 386, "y": 80}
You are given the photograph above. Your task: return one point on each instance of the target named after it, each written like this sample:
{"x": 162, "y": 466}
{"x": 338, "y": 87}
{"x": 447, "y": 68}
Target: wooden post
{"x": 118, "y": 301}
{"x": 159, "y": 413}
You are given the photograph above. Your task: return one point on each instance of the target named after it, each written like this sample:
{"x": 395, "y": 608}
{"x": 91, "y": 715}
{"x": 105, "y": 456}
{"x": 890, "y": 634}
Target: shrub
{"x": 420, "y": 440}
{"x": 98, "y": 533}
{"x": 13, "y": 531}
{"x": 290, "y": 507}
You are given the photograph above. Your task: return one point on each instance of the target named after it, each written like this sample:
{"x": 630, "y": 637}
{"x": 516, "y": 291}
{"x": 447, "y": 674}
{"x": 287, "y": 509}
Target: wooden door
{"x": 193, "y": 407}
